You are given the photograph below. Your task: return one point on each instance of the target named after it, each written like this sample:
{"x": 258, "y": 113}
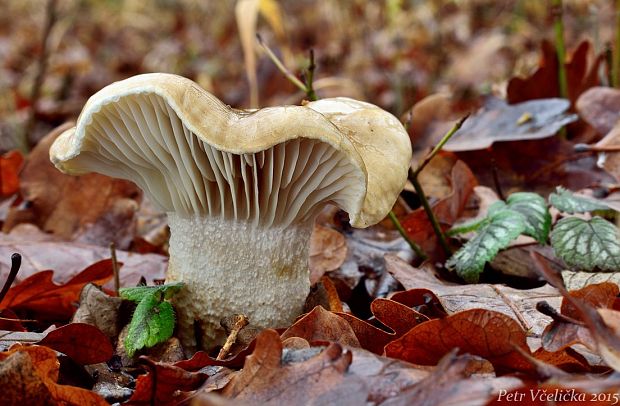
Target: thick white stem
{"x": 232, "y": 267}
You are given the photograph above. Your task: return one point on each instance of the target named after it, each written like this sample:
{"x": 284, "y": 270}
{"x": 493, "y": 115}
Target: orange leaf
{"x": 28, "y": 375}
{"x": 41, "y": 295}
{"x": 488, "y": 334}
{"x": 10, "y": 165}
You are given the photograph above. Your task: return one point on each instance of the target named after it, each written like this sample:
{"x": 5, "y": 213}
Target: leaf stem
{"x": 117, "y": 283}
{"x": 560, "y": 48}
{"x": 16, "y": 262}
{"x": 415, "y": 247}
{"x": 431, "y": 216}
{"x": 276, "y": 61}
{"x": 439, "y": 146}
{"x": 304, "y": 87}
{"x": 413, "y": 178}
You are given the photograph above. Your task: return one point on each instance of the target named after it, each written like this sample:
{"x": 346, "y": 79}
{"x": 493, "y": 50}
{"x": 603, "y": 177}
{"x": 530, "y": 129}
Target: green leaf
{"x": 587, "y": 244}
{"x": 138, "y": 293}
{"x": 537, "y": 217}
{"x": 467, "y": 226}
{"x": 564, "y": 200}
{"x": 503, "y": 227}
{"x": 152, "y": 323}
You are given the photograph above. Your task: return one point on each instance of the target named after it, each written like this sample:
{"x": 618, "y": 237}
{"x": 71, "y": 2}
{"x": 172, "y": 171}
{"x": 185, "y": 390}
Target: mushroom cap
{"x": 192, "y": 154}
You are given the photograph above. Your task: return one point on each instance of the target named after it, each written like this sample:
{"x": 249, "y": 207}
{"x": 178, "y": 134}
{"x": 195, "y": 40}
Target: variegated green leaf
{"x": 534, "y": 209}
{"x": 564, "y": 200}
{"x": 503, "y": 226}
{"x": 587, "y": 244}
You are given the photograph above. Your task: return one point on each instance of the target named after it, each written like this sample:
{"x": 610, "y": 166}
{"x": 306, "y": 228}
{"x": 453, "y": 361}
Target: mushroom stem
{"x": 236, "y": 267}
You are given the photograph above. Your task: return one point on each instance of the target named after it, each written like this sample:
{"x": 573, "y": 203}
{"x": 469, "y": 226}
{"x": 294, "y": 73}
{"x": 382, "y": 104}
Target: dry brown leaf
{"x": 10, "y": 165}
{"x": 610, "y": 161}
{"x": 515, "y": 303}
{"x": 322, "y": 325}
{"x": 600, "y": 107}
{"x": 328, "y": 250}
{"x": 36, "y": 369}
{"x": 484, "y": 333}
{"x": 92, "y": 208}
{"x": 40, "y": 252}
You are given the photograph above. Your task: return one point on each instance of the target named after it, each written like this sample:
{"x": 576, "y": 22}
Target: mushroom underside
{"x": 141, "y": 138}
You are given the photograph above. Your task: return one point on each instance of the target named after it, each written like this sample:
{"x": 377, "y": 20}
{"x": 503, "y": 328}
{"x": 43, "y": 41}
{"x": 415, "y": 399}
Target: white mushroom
{"x": 241, "y": 189}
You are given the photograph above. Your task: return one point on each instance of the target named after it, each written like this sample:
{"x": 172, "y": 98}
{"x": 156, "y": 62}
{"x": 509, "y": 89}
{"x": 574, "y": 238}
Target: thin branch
{"x": 280, "y": 65}
{"x": 415, "y": 247}
{"x": 439, "y": 146}
{"x": 35, "y": 94}
{"x": 431, "y": 216}
{"x": 241, "y": 322}
{"x": 560, "y": 48}
{"x": 16, "y": 262}
{"x": 117, "y": 282}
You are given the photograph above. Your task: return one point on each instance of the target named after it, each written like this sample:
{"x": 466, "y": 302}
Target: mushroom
{"x": 241, "y": 188}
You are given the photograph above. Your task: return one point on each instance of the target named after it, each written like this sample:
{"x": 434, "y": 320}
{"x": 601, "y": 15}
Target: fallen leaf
{"x": 484, "y": 333}
{"x": 503, "y": 122}
{"x": 543, "y": 83}
{"x": 41, "y": 252}
{"x": 10, "y": 165}
{"x": 447, "y": 210}
{"x": 39, "y": 294}
{"x": 322, "y": 325}
{"x": 94, "y": 208}
{"x": 515, "y": 303}
{"x": 398, "y": 318}
{"x": 264, "y": 379}
{"x": 36, "y": 370}
{"x": 574, "y": 280}
{"x": 600, "y": 107}
{"x": 99, "y": 309}
{"x": 85, "y": 344}
{"x": 164, "y": 384}
{"x": 610, "y": 161}
{"x": 328, "y": 250}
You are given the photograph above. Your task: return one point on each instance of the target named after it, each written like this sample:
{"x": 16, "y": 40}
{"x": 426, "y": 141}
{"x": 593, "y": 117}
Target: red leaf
{"x": 84, "y": 343}
{"x": 488, "y": 334}
{"x": 41, "y": 295}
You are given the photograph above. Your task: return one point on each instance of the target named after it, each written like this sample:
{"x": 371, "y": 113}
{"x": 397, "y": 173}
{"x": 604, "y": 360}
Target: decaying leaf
{"x": 485, "y": 333}
{"x": 41, "y": 251}
{"x": 322, "y": 325}
{"x": 516, "y": 303}
{"x": 503, "y": 122}
{"x": 39, "y": 294}
{"x": 29, "y": 374}
{"x": 93, "y": 208}
{"x": 10, "y": 165}
{"x": 328, "y": 250}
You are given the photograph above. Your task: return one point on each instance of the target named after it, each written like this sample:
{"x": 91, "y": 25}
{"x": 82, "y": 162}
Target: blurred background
{"x": 54, "y": 54}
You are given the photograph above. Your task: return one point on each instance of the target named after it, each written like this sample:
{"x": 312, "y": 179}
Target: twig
{"x": 615, "y": 67}
{"x": 241, "y": 322}
{"x": 415, "y": 247}
{"x": 413, "y": 177}
{"x": 439, "y": 146}
{"x": 545, "y": 308}
{"x": 50, "y": 20}
{"x": 560, "y": 48}
{"x": 496, "y": 182}
{"x": 309, "y": 76}
{"x": 304, "y": 87}
{"x": 117, "y": 279}
{"x": 18, "y": 320}
{"x": 16, "y": 262}
{"x": 594, "y": 148}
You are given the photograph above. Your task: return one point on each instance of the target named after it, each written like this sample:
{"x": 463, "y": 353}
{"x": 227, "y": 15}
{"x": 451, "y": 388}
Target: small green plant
{"x": 153, "y": 320}
{"x": 583, "y": 244}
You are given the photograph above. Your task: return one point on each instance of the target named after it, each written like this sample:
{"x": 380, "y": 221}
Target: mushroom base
{"x": 235, "y": 267}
